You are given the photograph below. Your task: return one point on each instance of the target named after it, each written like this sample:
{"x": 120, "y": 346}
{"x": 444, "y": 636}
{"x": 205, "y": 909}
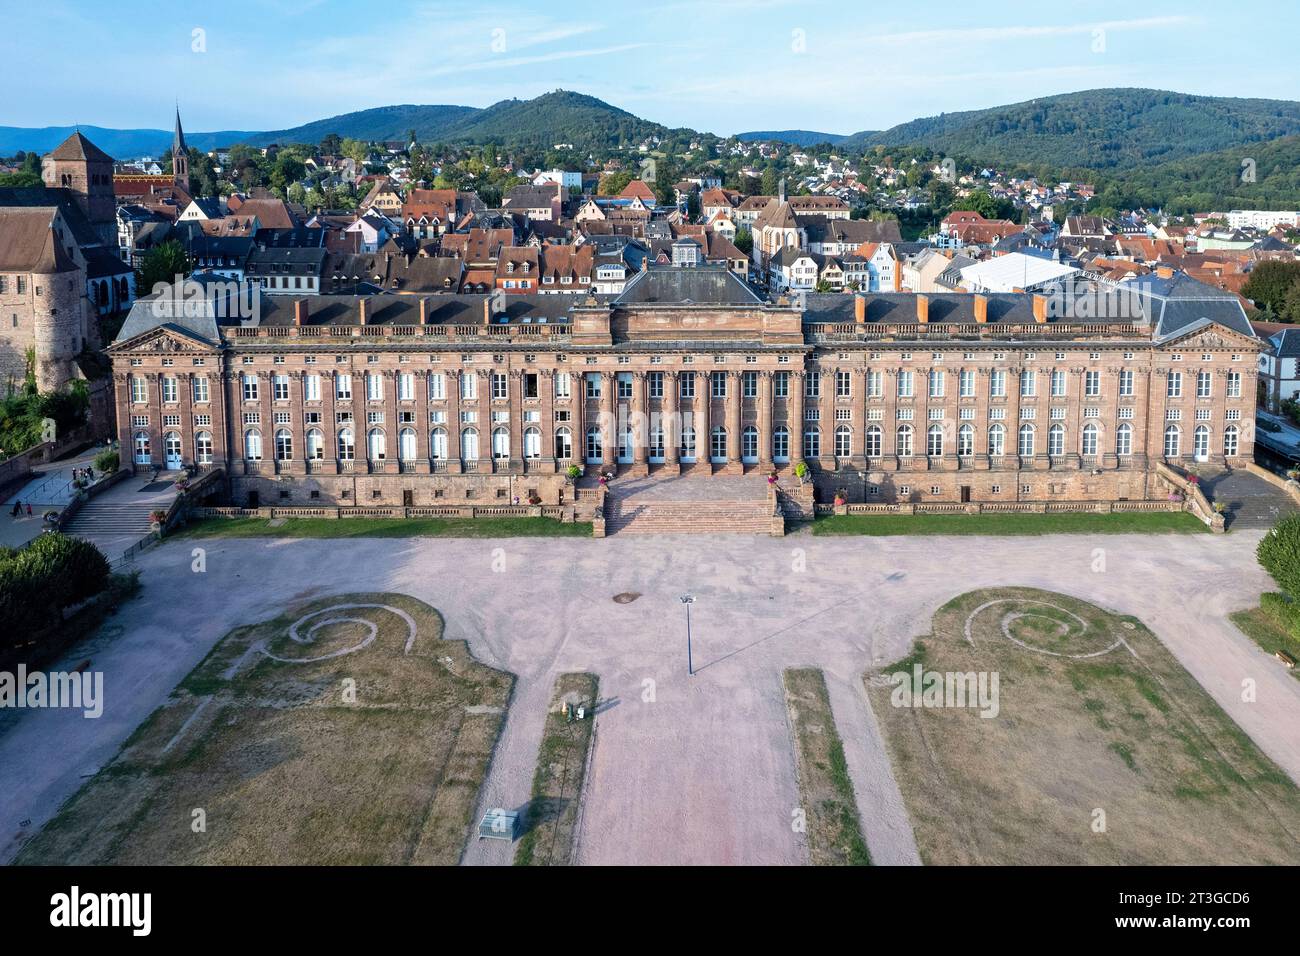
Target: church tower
{"x": 180, "y": 157}
{"x": 86, "y": 171}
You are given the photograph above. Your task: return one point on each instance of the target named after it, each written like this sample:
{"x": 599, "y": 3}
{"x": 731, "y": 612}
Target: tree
{"x": 744, "y": 240}
{"x": 163, "y": 263}
{"x": 614, "y": 183}
{"x": 330, "y": 144}
{"x": 355, "y": 150}
{"x": 1279, "y": 554}
{"x": 1271, "y": 283}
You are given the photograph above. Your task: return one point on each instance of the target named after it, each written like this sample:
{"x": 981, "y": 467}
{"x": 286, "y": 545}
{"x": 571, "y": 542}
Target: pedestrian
{"x": 29, "y": 509}
{"x": 17, "y": 510}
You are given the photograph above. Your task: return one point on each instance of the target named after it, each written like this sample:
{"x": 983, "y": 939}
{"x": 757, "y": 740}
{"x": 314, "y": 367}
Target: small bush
{"x": 39, "y": 581}
{"x": 1279, "y": 554}
{"x": 107, "y": 461}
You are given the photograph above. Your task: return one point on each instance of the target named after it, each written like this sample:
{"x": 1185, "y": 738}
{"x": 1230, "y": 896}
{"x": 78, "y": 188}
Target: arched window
{"x": 203, "y": 448}
{"x": 595, "y": 447}
{"x": 376, "y": 444}
{"x": 438, "y": 444}
{"x": 812, "y": 443}
{"x": 1056, "y": 441}
{"x": 1025, "y": 448}
{"x": 1124, "y": 439}
{"x": 563, "y": 444}
{"x": 315, "y": 445}
{"x": 1173, "y": 442}
{"x": 142, "y": 454}
{"x": 347, "y": 445}
{"x": 500, "y": 444}
{"x": 1230, "y": 441}
{"x": 873, "y": 449}
{"x": 532, "y": 443}
{"x": 997, "y": 441}
{"x": 406, "y": 445}
{"x": 172, "y": 451}
{"x": 1201, "y": 442}
{"x": 253, "y": 445}
{"x": 965, "y": 441}
{"x": 781, "y": 444}
{"x": 688, "y": 444}
{"x": 903, "y": 438}
{"x": 843, "y": 442}
{"x": 934, "y": 441}
{"x": 469, "y": 444}
{"x": 283, "y": 444}
{"x": 749, "y": 444}
{"x": 1088, "y": 448}
{"x": 718, "y": 443}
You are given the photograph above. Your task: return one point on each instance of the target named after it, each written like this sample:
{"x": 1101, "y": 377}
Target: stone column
{"x": 765, "y": 420}
{"x": 700, "y": 410}
{"x": 639, "y": 424}
{"x": 734, "y": 465}
{"x": 671, "y": 424}
{"x": 608, "y": 421}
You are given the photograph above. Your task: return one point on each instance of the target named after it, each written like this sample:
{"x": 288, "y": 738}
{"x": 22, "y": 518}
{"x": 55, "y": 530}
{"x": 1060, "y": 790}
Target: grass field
{"x": 1268, "y": 631}
{"x": 557, "y": 784}
{"x": 825, "y": 790}
{"x": 1178, "y": 522}
{"x": 386, "y": 528}
{"x": 1115, "y": 758}
{"x": 365, "y": 741}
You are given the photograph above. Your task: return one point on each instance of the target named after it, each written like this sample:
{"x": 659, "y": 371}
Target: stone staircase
{"x": 98, "y": 519}
{"x": 700, "y": 505}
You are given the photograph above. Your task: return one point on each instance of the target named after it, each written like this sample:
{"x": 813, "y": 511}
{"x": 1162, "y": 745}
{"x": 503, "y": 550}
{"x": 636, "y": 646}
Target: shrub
{"x": 574, "y": 472}
{"x": 801, "y": 469}
{"x": 39, "y": 581}
{"x": 1279, "y": 554}
{"x": 107, "y": 461}
{"x": 1285, "y": 611}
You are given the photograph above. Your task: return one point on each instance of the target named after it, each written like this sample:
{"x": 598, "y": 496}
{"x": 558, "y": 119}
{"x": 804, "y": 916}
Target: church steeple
{"x": 180, "y": 156}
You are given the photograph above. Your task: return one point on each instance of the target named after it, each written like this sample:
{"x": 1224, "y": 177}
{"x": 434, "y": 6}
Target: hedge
{"x": 1279, "y": 554}
{"x": 37, "y": 582}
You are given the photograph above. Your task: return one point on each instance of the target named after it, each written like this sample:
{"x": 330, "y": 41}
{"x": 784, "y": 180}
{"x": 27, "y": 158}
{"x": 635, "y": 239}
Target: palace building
{"x": 892, "y": 397}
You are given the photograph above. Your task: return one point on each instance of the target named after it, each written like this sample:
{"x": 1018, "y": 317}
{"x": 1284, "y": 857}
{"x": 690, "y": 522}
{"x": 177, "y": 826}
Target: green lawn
{"x": 1177, "y": 522}
{"x": 386, "y": 528}
{"x": 1267, "y": 630}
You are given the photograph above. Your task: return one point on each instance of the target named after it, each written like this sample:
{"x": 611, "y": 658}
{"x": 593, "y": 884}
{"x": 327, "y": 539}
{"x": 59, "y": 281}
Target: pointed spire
{"x": 178, "y": 140}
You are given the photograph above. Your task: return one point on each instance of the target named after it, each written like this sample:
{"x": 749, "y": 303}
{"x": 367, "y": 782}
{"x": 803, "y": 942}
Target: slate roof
{"x": 702, "y": 285}
{"x": 1179, "y": 303}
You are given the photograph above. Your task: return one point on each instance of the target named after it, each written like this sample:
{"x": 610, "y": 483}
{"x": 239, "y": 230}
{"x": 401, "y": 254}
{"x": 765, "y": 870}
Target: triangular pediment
{"x": 164, "y": 338}
{"x": 1211, "y": 335}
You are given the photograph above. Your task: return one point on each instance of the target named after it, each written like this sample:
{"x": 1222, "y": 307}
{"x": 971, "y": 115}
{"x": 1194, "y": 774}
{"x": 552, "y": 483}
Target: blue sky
{"x": 719, "y": 65}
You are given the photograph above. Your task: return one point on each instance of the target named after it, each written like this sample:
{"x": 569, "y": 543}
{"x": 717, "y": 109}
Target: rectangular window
{"x": 280, "y": 388}
{"x": 139, "y": 390}
{"x": 1058, "y": 383}
{"x": 936, "y": 383}
{"x": 843, "y": 384}
{"x": 499, "y": 386}
{"x": 1028, "y": 383}
{"x": 1203, "y": 387}
{"x": 687, "y": 385}
{"x": 966, "y": 383}
{"x": 719, "y": 386}
{"x": 1174, "y": 385}
{"x": 1126, "y": 383}
{"x": 199, "y": 389}
{"x": 562, "y": 384}
{"x": 593, "y": 385}
{"x": 812, "y": 385}
{"x": 343, "y": 387}
{"x": 904, "y": 384}
{"x": 624, "y": 384}
{"x": 437, "y": 386}
{"x": 468, "y": 385}
{"x": 374, "y": 387}
{"x": 530, "y": 385}
{"x": 406, "y": 387}
{"x": 998, "y": 383}
{"x": 781, "y": 385}
{"x": 1234, "y": 385}
{"x": 311, "y": 388}
{"x": 874, "y": 385}
{"x": 749, "y": 385}
{"x": 250, "y": 388}
{"x": 1091, "y": 383}
{"x": 655, "y": 383}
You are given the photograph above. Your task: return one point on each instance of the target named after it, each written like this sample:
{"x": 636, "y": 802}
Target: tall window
{"x": 934, "y": 441}
{"x": 997, "y": 441}
{"x": 1174, "y": 385}
{"x": 283, "y": 444}
{"x": 718, "y": 443}
{"x": 903, "y": 441}
{"x": 1234, "y": 385}
{"x": 1126, "y": 383}
{"x": 199, "y": 390}
{"x": 1026, "y": 444}
{"x": 1203, "y": 380}
{"x": 1088, "y": 447}
{"x": 376, "y": 444}
{"x": 904, "y": 384}
{"x": 315, "y": 445}
{"x": 203, "y": 448}
{"x": 169, "y": 388}
{"x": 253, "y": 445}
{"x": 1230, "y": 441}
{"x": 406, "y": 445}
{"x": 563, "y": 444}
{"x": 1173, "y": 441}
{"x": 687, "y": 449}
{"x": 469, "y": 387}
{"x": 1028, "y": 382}
{"x": 437, "y": 386}
{"x": 965, "y": 441}
{"x": 936, "y": 383}
{"x": 139, "y": 390}
{"x": 1124, "y": 439}
{"x": 843, "y": 384}
{"x": 1056, "y": 441}
{"x": 406, "y": 387}
{"x": 500, "y": 444}
{"x": 595, "y": 446}
{"x": 250, "y": 388}
{"x": 686, "y": 385}
{"x": 655, "y": 384}
{"x": 563, "y": 384}
{"x": 1092, "y": 383}
{"x": 812, "y": 385}
{"x": 998, "y": 383}
{"x": 343, "y": 386}
{"x": 748, "y": 443}
{"x": 873, "y": 449}
{"x": 719, "y": 380}
{"x": 781, "y": 385}
{"x": 812, "y": 443}
{"x": 499, "y": 386}
{"x": 781, "y": 444}
{"x": 966, "y": 383}
{"x": 749, "y": 385}
{"x": 469, "y": 444}
{"x": 347, "y": 445}
{"x": 843, "y": 442}
{"x": 311, "y": 388}
{"x": 875, "y": 387}
{"x": 280, "y": 388}
{"x": 1201, "y": 442}
{"x": 1058, "y": 383}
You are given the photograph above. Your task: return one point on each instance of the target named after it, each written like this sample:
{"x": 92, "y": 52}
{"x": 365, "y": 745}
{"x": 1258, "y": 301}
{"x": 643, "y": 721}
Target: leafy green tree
{"x": 1271, "y": 284}
{"x": 163, "y": 263}
{"x": 330, "y": 144}
{"x": 744, "y": 240}
{"x": 1279, "y": 554}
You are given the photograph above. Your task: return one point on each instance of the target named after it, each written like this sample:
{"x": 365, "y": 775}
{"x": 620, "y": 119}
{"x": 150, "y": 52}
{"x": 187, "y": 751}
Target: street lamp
{"x": 688, "y": 600}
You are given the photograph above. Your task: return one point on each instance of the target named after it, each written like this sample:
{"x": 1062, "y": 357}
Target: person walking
{"x": 17, "y": 509}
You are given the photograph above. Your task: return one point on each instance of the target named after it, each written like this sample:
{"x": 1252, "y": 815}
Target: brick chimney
{"x": 300, "y": 312}
{"x": 362, "y": 307}
{"x": 1165, "y": 272}
{"x": 424, "y": 311}
{"x": 859, "y": 309}
{"x": 487, "y": 309}
{"x": 922, "y": 309}
{"x": 1040, "y": 309}
{"x": 981, "y": 309}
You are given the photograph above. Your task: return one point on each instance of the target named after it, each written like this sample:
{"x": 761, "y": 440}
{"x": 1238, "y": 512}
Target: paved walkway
{"x": 50, "y": 487}
{"x": 685, "y": 769}
{"x": 1253, "y": 502}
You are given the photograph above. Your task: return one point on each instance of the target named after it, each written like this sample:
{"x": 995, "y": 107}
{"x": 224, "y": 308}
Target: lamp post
{"x": 688, "y": 600}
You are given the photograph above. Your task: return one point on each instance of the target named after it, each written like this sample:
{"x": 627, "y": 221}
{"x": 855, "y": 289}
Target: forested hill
{"x": 1100, "y": 129}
